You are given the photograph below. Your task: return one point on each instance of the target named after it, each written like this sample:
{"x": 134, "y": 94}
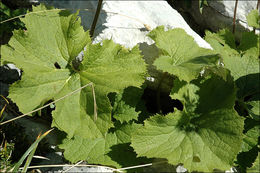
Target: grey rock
{"x": 218, "y": 15}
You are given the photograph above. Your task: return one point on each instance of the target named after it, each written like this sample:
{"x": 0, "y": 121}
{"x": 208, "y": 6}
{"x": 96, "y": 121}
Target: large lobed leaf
{"x": 214, "y": 143}
{"x": 46, "y": 51}
{"x": 100, "y": 150}
{"x": 181, "y": 56}
{"x": 242, "y": 61}
{"x": 207, "y": 134}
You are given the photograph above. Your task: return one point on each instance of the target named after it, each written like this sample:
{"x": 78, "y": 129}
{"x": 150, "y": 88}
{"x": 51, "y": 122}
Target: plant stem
{"x": 234, "y": 18}
{"x": 93, "y": 26}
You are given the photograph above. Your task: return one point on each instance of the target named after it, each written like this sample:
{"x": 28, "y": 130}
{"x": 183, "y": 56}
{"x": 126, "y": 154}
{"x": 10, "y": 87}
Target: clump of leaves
{"x": 206, "y": 134}
{"x": 46, "y": 54}
{"x": 243, "y": 62}
{"x": 6, "y": 150}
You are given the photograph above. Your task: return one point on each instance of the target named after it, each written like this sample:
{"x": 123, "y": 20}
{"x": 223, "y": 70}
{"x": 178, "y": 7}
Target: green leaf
{"x": 123, "y": 112}
{"x": 253, "y": 19}
{"x": 125, "y": 103}
{"x": 251, "y": 139}
{"x": 256, "y": 165}
{"x": 207, "y": 134}
{"x": 96, "y": 151}
{"x": 187, "y": 94}
{"x": 241, "y": 66}
{"x": 222, "y": 42}
{"x": 92, "y": 150}
{"x": 181, "y": 56}
{"x": 46, "y": 52}
{"x": 253, "y": 108}
{"x": 212, "y": 142}
{"x": 4, "y": 9}
{"x": 240, "y": 61}
{"x": 216, "y": 93}
{"x": 243, "y": 62}
{"x": 205, "y": 95}
{"x": 249, "y": 44}
{"x": 246, "y": 72}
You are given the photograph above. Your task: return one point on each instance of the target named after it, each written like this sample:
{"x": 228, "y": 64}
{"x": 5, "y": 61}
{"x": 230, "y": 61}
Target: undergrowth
{"x": 208, "y": 121}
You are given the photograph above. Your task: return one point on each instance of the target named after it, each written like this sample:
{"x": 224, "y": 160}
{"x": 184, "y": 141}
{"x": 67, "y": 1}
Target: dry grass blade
{"x": 95, "y": 103}
{"x": 133, "y": 167}
{"x": 5, "y": 99}
{"x": 140, "y": 166}
{"x": 28, "y": 14}
{"x": 3, "y": 109}
{"x": 73, "y": 166}
{"x": 71, "y": 93}
{"x": 92, "y": 10}
{"x": 41, "y": 157}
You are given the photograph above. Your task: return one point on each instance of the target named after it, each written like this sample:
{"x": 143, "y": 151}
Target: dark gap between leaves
{"x": 46, "y": 113}
{"x": 166, "y": 103}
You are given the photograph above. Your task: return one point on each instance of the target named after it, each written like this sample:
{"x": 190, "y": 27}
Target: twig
{"x": 145, "y": 25}
{"x": 132, "y": 167}
{"x": 234, "y": 18}
{"x": 86, "y": 9}
{"x": 71, "y": 93}
{"x": 3, "y": 109}
{"x": 73, "y": 166}
{"x": 22, "y": 15}
{"x": 140, "y": 166}
{"x": 94, "y": 23}
{"x": 40, "y": 157}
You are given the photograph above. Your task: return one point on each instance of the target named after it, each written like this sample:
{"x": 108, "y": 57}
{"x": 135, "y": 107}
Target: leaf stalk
{"x": 234, "y": 18}
{"x": 94, "y": 23}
